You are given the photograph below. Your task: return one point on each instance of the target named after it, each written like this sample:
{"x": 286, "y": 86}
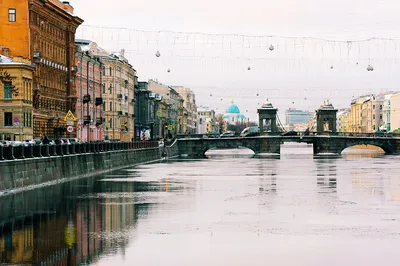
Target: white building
{"x": 233, "y": 115}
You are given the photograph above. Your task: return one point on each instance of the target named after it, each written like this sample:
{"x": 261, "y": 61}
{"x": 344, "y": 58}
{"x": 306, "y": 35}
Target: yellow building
{"x": 119, "y": 81}
{"x": 344, "y": 121}
{"x": 355, "y": 119}
{"x": 395, "y": 112}
{"x": 16, "y": 77}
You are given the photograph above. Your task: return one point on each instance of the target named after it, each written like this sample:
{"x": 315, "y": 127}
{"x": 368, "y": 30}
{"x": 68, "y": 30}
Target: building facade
{"x": 118, "y": 96}
{"x": 189, "y": 124}
{"x": 44, "y": 33}
{"x": 395, "y": 113}
{"x": 206, "y": 121}
{"x": 233, "y": 116}
{"x": 89, "y": 88}
{"x": 173, "y": 101}
{"x": 145, "y": 112}
{"x": 16, "y": 83}
{"x": 295, "y": 117}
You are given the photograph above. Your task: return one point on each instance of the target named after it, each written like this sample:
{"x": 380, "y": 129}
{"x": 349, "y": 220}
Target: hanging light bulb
{"x": 331, "y": 66}
{"x": 370, "y": 68}
{"x": 357, "y": 63}
{"x": 271, "y": 47}
{"x": 257, "y": 94}
{"x": 292, "y": 102}
{"x": 158, "y": 54}
{"x": 168, "y": 70}
{"x": 248, "y": 68}
{"x": 210, "y": 95}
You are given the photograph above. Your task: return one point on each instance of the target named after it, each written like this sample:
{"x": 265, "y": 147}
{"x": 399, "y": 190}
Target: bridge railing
{"x": 356, "y": 134}
{"x": 37, "y": 151}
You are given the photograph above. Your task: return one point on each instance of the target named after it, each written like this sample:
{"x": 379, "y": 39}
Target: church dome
{"x": 241, "y": 116}
{"x": 233, "y": 109}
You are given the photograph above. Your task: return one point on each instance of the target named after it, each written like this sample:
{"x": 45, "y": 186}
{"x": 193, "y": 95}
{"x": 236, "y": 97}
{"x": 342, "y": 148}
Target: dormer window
{"x": 12, "y": 15}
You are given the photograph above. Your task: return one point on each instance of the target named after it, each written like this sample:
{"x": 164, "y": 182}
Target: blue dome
{"x": 233, "y": 109}
{"x": 225, "y": 116}
{"x": 241, "y": 116}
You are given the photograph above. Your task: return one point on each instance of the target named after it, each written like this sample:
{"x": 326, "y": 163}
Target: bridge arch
{"x": 387, "y": 149}
{"x": 216, "y": 146}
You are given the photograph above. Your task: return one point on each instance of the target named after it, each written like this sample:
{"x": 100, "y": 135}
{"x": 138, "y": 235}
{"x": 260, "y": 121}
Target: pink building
{"x": 89, "y": 92}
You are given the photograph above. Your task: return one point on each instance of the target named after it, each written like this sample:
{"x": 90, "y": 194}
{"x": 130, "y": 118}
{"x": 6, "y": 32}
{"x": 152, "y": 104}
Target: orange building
{"x": 43, "y": 31}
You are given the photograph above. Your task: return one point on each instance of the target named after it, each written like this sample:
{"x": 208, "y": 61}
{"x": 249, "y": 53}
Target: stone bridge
{"x": 197, "y": 147}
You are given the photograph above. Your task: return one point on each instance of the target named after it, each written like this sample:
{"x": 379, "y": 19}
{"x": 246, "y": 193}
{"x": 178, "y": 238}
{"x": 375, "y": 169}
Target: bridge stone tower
{"x": 326, "y": 117}
{"x": 267, "y": 118}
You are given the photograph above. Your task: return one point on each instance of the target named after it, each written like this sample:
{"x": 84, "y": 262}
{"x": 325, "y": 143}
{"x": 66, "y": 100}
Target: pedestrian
{"x": 45, "y": 140}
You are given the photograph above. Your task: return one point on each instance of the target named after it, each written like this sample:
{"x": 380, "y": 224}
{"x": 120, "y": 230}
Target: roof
{"x": 233, "y": 109}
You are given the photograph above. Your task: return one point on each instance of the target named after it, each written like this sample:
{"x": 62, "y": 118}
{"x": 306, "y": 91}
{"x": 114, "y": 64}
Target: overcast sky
{"x": 298, "y": 73}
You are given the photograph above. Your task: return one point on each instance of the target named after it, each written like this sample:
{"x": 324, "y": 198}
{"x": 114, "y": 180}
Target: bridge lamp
{"x": 331, "y": 66}
{"x": 248, "y": 68}
{"x": 168, "y": 70}
{"x": 370, "y": 68}
{"x": 158, "y": 54}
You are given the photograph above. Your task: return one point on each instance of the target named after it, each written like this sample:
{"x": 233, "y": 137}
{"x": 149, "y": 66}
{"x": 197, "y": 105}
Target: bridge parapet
{"x": 332, "y": 143}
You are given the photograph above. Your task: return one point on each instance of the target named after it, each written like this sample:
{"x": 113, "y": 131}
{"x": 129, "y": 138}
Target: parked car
{"x": 250, "y": 131}
{"x": 290, "y": 133}
{"x": 227, "y": 134}
{"x": 66, "y": 141}
{"x": 4, "y": 143}
{"x": 19, "y": 143}
{"x": 73, "y": 141}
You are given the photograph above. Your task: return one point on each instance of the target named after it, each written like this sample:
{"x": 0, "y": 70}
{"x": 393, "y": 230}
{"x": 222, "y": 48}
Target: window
{"x": 7, "y": 90}
{"x": 380, "y": 107}
{"x": 8, "y": 119}
{"x": 373, "y": 106}
{"x": 111, "y": 125}
{"x": 12, "y": 15}
{"x": 110, "y": 106}
{"x": 373, "y": 117}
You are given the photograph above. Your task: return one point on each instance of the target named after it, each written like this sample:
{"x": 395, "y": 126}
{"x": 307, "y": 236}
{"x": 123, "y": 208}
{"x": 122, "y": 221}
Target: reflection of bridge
{"x": 323, "y": 143}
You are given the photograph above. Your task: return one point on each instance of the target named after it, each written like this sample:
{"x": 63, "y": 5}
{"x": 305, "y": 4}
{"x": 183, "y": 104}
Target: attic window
{"x": 12, "y": 15}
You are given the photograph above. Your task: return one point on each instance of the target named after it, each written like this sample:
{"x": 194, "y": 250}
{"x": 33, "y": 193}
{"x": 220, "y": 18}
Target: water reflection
{"x": 326, "y": 174}
{"x": 303, "y": 209}
{"x": 51, "y": 227}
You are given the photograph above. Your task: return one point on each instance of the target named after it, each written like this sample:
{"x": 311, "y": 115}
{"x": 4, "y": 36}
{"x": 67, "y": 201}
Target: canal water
{"x": 230, "y": 209}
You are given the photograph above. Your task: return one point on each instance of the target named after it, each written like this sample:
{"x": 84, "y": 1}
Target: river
{"x": 230, "y": 209}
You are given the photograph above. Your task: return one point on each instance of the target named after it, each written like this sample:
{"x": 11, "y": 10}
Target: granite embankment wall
{"x": 27, "y": 173}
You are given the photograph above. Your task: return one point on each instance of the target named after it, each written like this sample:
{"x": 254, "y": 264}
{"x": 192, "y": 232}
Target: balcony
{"x": 86, "y": 98}
{"x": 86, "y": 120}
{"x": 99, "y": 101}
{"x": 120, "y": 113}
{"x": 99, "y": 121}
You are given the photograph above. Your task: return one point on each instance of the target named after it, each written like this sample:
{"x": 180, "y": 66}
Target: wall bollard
{"x": 8, "y": 153}
{"x": 66, "y": 149}
{"x": 28, "y": 151}
{"x": 19, "y": 152}
{"x": 52, "y": 150}
{"x": 37, "y": 151}
{"x": 59, "y": 150}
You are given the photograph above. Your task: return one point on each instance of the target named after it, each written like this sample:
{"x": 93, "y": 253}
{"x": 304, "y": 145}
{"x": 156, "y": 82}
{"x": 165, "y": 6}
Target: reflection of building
{"x": 44, "y": 33}
{"x": 15, "y": 99}
{"x": 233, "y": 116}
{"x": 89, "y": 94}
